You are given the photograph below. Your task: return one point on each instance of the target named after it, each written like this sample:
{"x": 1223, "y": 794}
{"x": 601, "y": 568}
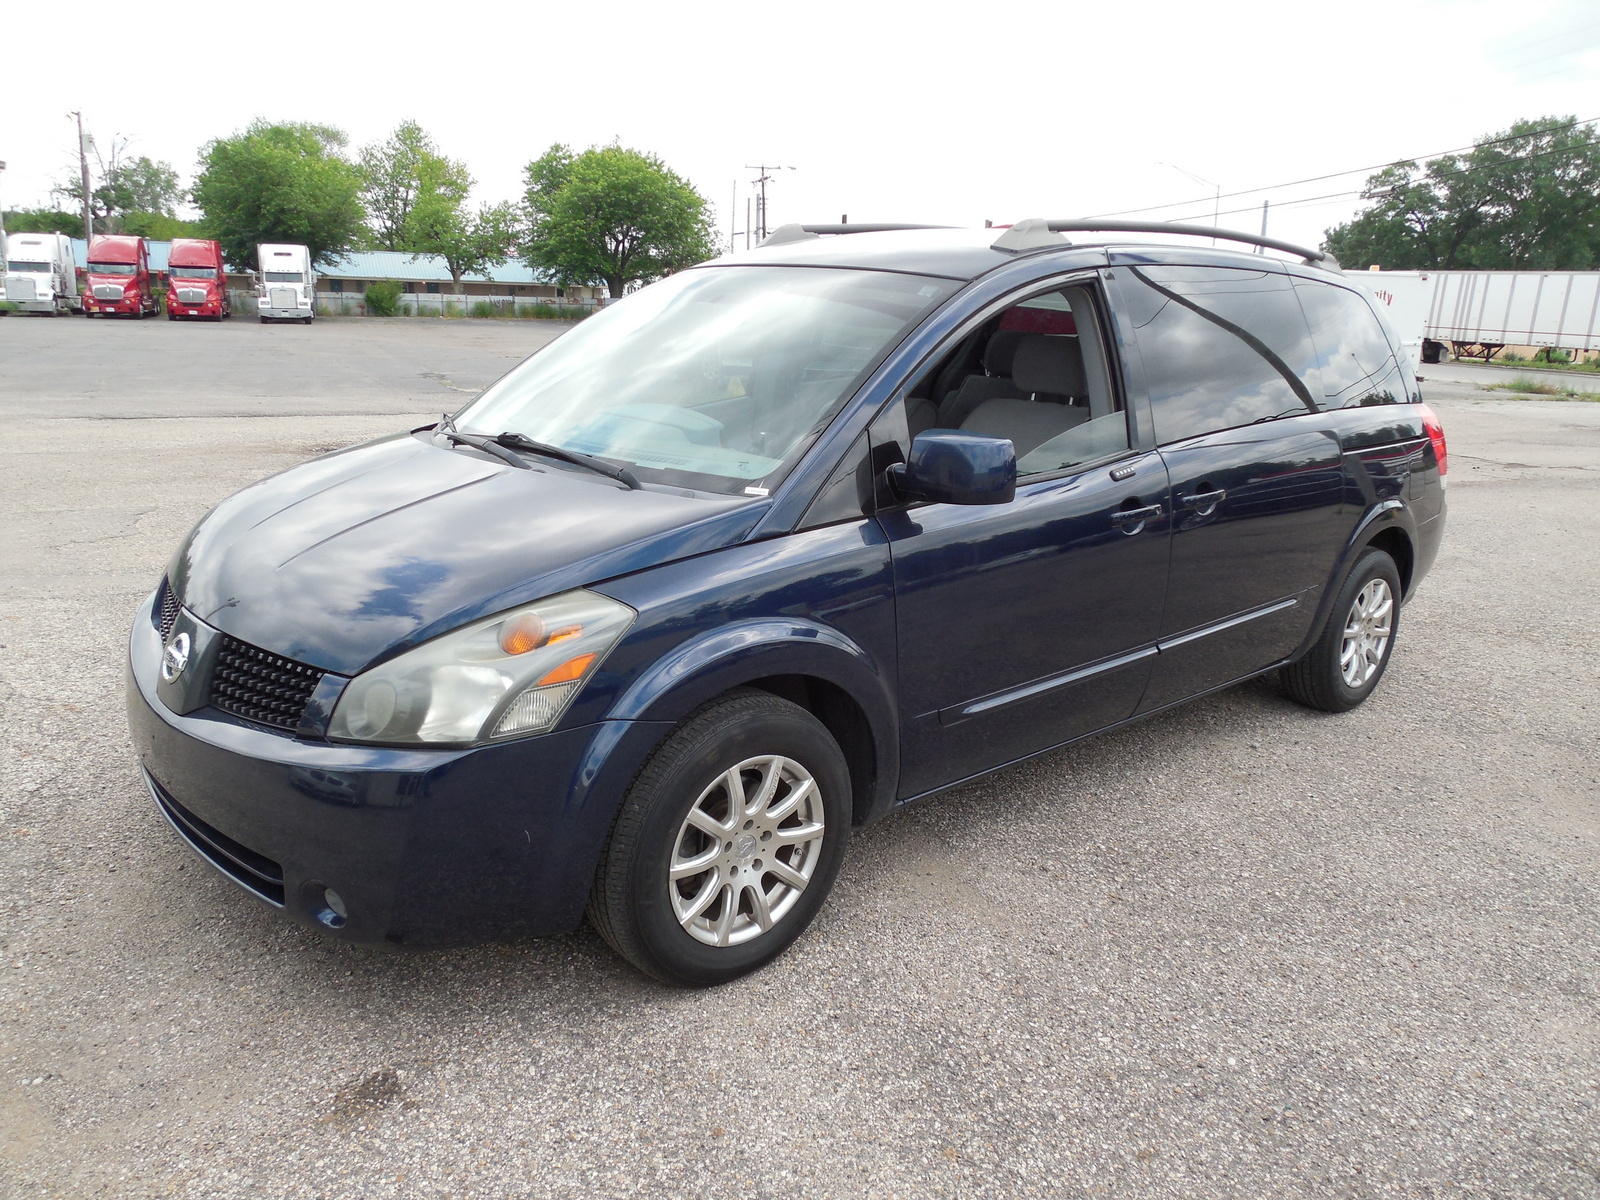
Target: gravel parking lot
{"x": 1239, "y": 950}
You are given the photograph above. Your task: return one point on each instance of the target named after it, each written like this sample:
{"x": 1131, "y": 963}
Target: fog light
{"x": 336, "y": 914}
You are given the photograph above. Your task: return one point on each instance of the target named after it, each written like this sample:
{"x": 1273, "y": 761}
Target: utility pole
{"x": 83, "y": 169}
{"x": 2, "y": 231}
{"x": 761, "y": 181}
{"x": 733, "y": 219}
{"x": 1263, "y": 249}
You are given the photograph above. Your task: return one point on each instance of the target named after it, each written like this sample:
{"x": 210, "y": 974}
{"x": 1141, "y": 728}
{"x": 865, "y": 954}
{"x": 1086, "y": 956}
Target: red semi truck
{"x": 197, "y": 282}
{"x": 118, "y": 278}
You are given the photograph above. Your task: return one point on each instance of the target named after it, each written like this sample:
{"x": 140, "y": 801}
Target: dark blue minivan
{"x": 765, "y": 550}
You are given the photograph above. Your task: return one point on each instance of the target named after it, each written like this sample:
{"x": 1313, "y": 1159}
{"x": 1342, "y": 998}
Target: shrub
{"x": 7, "y": 306}
{"x": 383, "y": 298}
{"x": 483, "y": 308}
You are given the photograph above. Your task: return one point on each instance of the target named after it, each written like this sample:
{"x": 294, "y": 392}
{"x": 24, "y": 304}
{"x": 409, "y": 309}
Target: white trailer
{"x": 287, "y": 288}
{"x": 1478, "y": 313}
{"x": 1404, "y": 297}
{"x": 40, "y": 274}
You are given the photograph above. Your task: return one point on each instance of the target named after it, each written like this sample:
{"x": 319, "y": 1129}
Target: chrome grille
{"x": 191, "y": 296}
{"x": 20, "y": 287}
{"x": 108, "y": 291}
{"x": 261, "y": 686}
{"x": 283, "y": 298}
{"x": 165, "y": 611}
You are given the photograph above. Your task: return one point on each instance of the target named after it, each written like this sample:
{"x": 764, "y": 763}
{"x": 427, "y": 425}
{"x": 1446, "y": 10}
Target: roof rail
{"x": 1038, "y": 234}
{"x": 801, "y": 233}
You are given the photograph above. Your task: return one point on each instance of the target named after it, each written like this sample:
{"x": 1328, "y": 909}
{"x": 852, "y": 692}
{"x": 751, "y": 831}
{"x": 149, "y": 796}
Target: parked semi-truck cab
{"x": 288, "y": 287}
{"x": 119, "y": 278}
{"x": 40, "y": 275}
{"x": 197, "y": 281}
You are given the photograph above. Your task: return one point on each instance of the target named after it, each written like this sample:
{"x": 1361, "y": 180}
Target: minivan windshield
{"x": 113, "y": 269}
{"x": 179, "y": 271}
{"x": 716, "y": 378}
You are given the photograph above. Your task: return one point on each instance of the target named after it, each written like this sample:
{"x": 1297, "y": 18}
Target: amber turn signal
{"x": 522, "y": 633}
{"x": 572, "y": 669}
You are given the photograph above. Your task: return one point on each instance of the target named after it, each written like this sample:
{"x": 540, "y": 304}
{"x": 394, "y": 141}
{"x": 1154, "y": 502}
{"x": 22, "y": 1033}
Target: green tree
{"x": 158, "y": 226}
{"x": 134, "y": 185}
{"x": 280, "y": 183}
{"x": 613, "y": 215}
{"x": 397, "y": 172}
{"x": 1528, "y": 198}
{"x": 44, "y": 220}
{"x": 470, "y": 243}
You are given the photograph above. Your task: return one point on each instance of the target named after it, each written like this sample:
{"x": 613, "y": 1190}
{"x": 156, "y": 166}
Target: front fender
{"x": 757, "y": 648}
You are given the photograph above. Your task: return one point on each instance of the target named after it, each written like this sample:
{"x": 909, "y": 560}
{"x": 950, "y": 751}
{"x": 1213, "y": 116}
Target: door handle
{"x": 1133, "y": 519}
{"x": 1204, "y": 503}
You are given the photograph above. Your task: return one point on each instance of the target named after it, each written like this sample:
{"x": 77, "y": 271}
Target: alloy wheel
{"x": 746, "y": 851}
{"x": 1367, "y": 628}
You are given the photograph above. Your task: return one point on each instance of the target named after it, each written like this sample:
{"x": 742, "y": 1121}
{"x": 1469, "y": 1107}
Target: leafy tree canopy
{"x": 127, "y": 185}
{"x": 280, "y": 183}
{"x": 613, "y": 215}
{"x": 44, "y": 220}
{"x": 1528, "y": 198}
{"x": 397, "y": 172}
{"x": 159, "y": 226}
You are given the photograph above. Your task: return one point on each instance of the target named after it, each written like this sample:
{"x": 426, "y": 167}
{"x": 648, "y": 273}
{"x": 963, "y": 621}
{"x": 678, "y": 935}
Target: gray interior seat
{"x": 1047, "y": 367}
{"x": 996, "y": 382}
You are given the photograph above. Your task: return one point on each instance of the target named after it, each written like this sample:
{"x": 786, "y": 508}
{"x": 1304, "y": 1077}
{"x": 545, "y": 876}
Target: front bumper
{"x": 425, "y": 847}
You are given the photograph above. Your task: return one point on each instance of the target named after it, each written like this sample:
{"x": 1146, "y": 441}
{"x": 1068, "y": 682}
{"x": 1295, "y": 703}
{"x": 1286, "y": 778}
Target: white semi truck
{"x": 287, "y": 289}
{"x": 40, "y": 274}
{"x": 1476, "y": 314}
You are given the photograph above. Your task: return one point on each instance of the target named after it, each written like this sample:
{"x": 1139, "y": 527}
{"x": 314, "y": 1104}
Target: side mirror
{"x": 949, "y": 467}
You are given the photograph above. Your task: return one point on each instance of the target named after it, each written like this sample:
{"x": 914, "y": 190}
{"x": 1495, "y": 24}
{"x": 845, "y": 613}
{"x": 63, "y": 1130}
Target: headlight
{"x": 510, "y": 675}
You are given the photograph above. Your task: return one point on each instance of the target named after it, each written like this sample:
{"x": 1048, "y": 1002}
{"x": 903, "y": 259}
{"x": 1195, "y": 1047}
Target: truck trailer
{"x": 40, "y": 275}
{"x": 197, "y": 281}
{"x": 288, "y": 287}
{"x": 1476, "y": 314}
{"x": 119, "y": 278}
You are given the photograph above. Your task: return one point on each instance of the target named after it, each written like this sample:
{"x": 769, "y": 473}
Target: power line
{"x": 1340, "y": 174}
{"x": 1233, "y": 212}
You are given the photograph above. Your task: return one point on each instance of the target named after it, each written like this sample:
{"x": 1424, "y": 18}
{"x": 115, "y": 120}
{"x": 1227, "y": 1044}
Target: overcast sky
{"x": 887, "y": 112}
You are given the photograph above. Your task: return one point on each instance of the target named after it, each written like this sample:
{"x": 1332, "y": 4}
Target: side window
{"x": 1359, "y": 367}
{"x": 1221, "y": 347}
{"x": 1036, "y": 374}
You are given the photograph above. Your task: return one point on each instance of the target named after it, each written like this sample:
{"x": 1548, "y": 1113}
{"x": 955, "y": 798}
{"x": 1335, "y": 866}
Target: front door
{"x": 1022, "y": 626}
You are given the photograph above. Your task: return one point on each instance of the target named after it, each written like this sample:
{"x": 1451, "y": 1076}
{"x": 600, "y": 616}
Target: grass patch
{"x": 1524, "y": 386}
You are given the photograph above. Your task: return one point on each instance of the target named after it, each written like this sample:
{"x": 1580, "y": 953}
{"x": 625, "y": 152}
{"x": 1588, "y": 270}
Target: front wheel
{"x": 727, "y": 844}
{"x": 1349, "y": 657}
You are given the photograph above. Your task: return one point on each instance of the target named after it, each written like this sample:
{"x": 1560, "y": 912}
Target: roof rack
{"x": 801, "y": 233}
{"x": 1036, "y": 233}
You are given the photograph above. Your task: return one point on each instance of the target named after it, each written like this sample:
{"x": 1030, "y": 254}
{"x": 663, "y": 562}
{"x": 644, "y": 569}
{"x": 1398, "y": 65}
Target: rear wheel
{"x": 727, "y": 844}
{"x": 1348, "y": 659}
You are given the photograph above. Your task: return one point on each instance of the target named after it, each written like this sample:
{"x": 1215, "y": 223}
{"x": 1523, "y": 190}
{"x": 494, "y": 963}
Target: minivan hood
{"x": 363, "y": 553}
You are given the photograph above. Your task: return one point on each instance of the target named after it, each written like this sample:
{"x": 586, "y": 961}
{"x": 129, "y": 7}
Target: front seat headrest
{"x": 1050, "y": 364}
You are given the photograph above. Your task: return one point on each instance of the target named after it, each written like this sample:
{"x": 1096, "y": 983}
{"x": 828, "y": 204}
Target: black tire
{"x": 631, "y": 906}
{"x": 1317, "y": 680}
{"x": 263, "y": 320}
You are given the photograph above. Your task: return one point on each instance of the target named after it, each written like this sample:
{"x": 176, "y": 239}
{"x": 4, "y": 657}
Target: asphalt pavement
{"x": 1238, "y": 950}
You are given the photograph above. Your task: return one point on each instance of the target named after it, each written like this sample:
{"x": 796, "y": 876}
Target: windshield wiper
{"x": 517, "y": 441}
{"x": 447, "y": 427}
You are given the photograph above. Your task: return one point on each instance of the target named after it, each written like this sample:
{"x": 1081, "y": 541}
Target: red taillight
{"x": 1430, "y": 422}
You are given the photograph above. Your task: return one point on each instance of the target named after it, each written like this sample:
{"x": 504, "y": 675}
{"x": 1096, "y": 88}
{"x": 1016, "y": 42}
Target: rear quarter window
{"x": 1358, "y": 365}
